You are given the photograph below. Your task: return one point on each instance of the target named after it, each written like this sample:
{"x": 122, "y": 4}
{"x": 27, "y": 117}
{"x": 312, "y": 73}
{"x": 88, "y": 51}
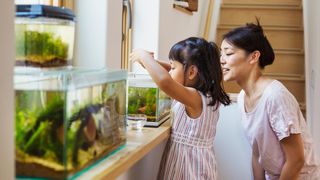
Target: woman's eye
{"x": 229, "y": 54}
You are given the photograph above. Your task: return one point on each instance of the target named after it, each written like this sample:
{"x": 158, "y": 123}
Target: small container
{"x": 44, "y": 36}
{"x": 136, "y": 121}
{"x": 144, "y": 97}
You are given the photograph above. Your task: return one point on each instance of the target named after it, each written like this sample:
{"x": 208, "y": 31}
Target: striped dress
{"x": 189, "y": 152}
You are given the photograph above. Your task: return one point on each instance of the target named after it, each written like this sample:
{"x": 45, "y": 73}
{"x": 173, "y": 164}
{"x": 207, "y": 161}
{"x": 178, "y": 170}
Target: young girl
{"x": 281, "y": 145}
{"x": 194, "y": 82}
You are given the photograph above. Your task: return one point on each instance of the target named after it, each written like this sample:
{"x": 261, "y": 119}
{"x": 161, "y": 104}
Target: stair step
{"x": 286, "y": 77}
{"x": 265, "y": 27}
{"x": 258, "y": 2}
{"x": 278, "y": 38}
{"x": 289, "y": 51}
{"x": 260, "y": 6}
{"x": 270, "y": 17}
{"x": 287, "y": 63}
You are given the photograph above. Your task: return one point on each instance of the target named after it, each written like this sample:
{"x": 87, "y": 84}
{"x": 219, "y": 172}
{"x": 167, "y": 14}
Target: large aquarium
{"x": 67, "y": 120}
{"x": 44, "y": 36}
{"x": 144, "y": 97}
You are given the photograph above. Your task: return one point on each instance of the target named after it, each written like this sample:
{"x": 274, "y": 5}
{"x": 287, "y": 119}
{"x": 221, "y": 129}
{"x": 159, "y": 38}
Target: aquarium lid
{"x": 34, "y": 11}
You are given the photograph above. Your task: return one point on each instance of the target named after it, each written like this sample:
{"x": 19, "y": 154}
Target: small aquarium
{"x": 44, "y": 36}
{"x": 144, "y": 97}
{"x": 67, "y": 120}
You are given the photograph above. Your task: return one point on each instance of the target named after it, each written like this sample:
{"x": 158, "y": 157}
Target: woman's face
{"x": 177, "y": 71}
{"x": 233, "y": 61}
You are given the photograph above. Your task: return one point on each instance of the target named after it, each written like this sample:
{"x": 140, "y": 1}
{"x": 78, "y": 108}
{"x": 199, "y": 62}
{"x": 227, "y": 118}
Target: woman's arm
{"x": 294, "y": 153}
{"x": 186, "y": 95}
{"x": 258, "y": 171}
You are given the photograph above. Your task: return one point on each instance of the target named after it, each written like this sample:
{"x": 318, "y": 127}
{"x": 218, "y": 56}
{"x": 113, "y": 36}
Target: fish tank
{"x": 144, "y": 97}
{"x": 67, "y": 120}
{"x": 44, "y": 36}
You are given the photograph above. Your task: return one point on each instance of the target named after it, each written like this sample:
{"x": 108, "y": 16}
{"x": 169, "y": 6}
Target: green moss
{"x": 37, "y": 46}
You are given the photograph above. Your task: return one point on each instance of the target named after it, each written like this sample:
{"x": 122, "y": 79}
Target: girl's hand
{"x": 139, "y": 55}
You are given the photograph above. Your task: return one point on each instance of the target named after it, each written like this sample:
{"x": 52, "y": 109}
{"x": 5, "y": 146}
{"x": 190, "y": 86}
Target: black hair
{"x": 206, "y": 57}
{"x": 251, "y": 38}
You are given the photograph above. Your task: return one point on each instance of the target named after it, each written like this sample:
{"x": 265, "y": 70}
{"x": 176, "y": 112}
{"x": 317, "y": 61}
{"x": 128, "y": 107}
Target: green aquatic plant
{"x": 40, "y": 46}
{"x": 37, "y": 132}
{"x": 142, "y": 100}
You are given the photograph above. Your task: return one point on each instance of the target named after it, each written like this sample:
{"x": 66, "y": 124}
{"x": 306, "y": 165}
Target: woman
{"x": 281, "y": 145}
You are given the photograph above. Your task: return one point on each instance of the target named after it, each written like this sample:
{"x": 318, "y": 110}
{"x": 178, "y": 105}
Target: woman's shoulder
{"x": 277, "y": 93}
{"x": 276, "y": 90}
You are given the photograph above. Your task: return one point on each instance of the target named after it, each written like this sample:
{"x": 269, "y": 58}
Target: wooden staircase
{"x": 283, "y": 26}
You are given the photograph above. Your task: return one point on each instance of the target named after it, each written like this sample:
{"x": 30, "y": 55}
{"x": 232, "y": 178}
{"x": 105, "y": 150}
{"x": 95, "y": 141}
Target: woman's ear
{"x": 192, "y": 72}
{"x": 254, "y": 57}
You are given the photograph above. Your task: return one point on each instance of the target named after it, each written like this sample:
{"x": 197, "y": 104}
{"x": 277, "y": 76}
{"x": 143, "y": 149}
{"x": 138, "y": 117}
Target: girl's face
{"x": 177, "y": 71}
{"x": 233, "y": 61}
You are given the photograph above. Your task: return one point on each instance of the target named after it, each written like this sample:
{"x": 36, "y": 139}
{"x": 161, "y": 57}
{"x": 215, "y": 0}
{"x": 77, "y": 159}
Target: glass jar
{"x": 44, "y": 36}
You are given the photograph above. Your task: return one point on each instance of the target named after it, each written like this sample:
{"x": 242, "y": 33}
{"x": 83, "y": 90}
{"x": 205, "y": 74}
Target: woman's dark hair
{"x": 206, "y": 57}
{"x": 251, "y": 38}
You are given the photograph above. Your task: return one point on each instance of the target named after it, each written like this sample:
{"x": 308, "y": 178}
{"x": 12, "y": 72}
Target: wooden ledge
{"x": 138, "y": 145}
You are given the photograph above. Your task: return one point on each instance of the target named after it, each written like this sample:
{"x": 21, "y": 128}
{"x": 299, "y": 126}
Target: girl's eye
{"x": 229, "y": 54}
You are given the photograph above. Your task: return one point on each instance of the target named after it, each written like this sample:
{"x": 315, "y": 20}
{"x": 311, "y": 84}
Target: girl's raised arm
{"x": 186, "y": 95}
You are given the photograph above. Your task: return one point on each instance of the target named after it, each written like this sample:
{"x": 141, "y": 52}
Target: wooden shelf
{"x": 182, "y": 9}
{"x": 139, "y": 143}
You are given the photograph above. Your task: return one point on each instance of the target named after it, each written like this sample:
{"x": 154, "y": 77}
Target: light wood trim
{"x": 68, "y": 4}
{"x": 138, "y": 145}
{"x": 208, "y": 20}
{"x": 124, "y": 54}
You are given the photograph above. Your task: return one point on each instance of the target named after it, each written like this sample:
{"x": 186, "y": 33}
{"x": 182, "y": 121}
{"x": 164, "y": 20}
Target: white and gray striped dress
{"x": 189, "y": 152}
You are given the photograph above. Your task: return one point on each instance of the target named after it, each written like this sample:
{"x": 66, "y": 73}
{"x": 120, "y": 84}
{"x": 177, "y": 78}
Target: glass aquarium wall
{"x": 144, "y": 97}
{"x": 67, "y": 120}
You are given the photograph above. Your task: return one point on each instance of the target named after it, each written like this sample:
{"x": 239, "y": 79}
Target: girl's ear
{"x": 192, "y": 73}
{"x": 254, "y": 57}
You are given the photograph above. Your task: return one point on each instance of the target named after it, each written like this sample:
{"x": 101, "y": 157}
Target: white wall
{"x": 232, "y": 149}
{"x": 175, "y": 26}
{"x": 98, "y": 43}
{"x": 312, "y": 58}
{"x": 7, "y": 51}
{"x": 157, "y": 26}
{"x": 145, "y": 27}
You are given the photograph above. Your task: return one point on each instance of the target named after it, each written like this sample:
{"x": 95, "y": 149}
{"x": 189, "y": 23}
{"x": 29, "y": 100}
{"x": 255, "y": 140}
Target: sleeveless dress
{"x": 189, "y": 151}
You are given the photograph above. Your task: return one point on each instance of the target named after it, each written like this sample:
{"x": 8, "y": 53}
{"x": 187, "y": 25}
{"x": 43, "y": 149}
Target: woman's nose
{"x": 222, "y": 61}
